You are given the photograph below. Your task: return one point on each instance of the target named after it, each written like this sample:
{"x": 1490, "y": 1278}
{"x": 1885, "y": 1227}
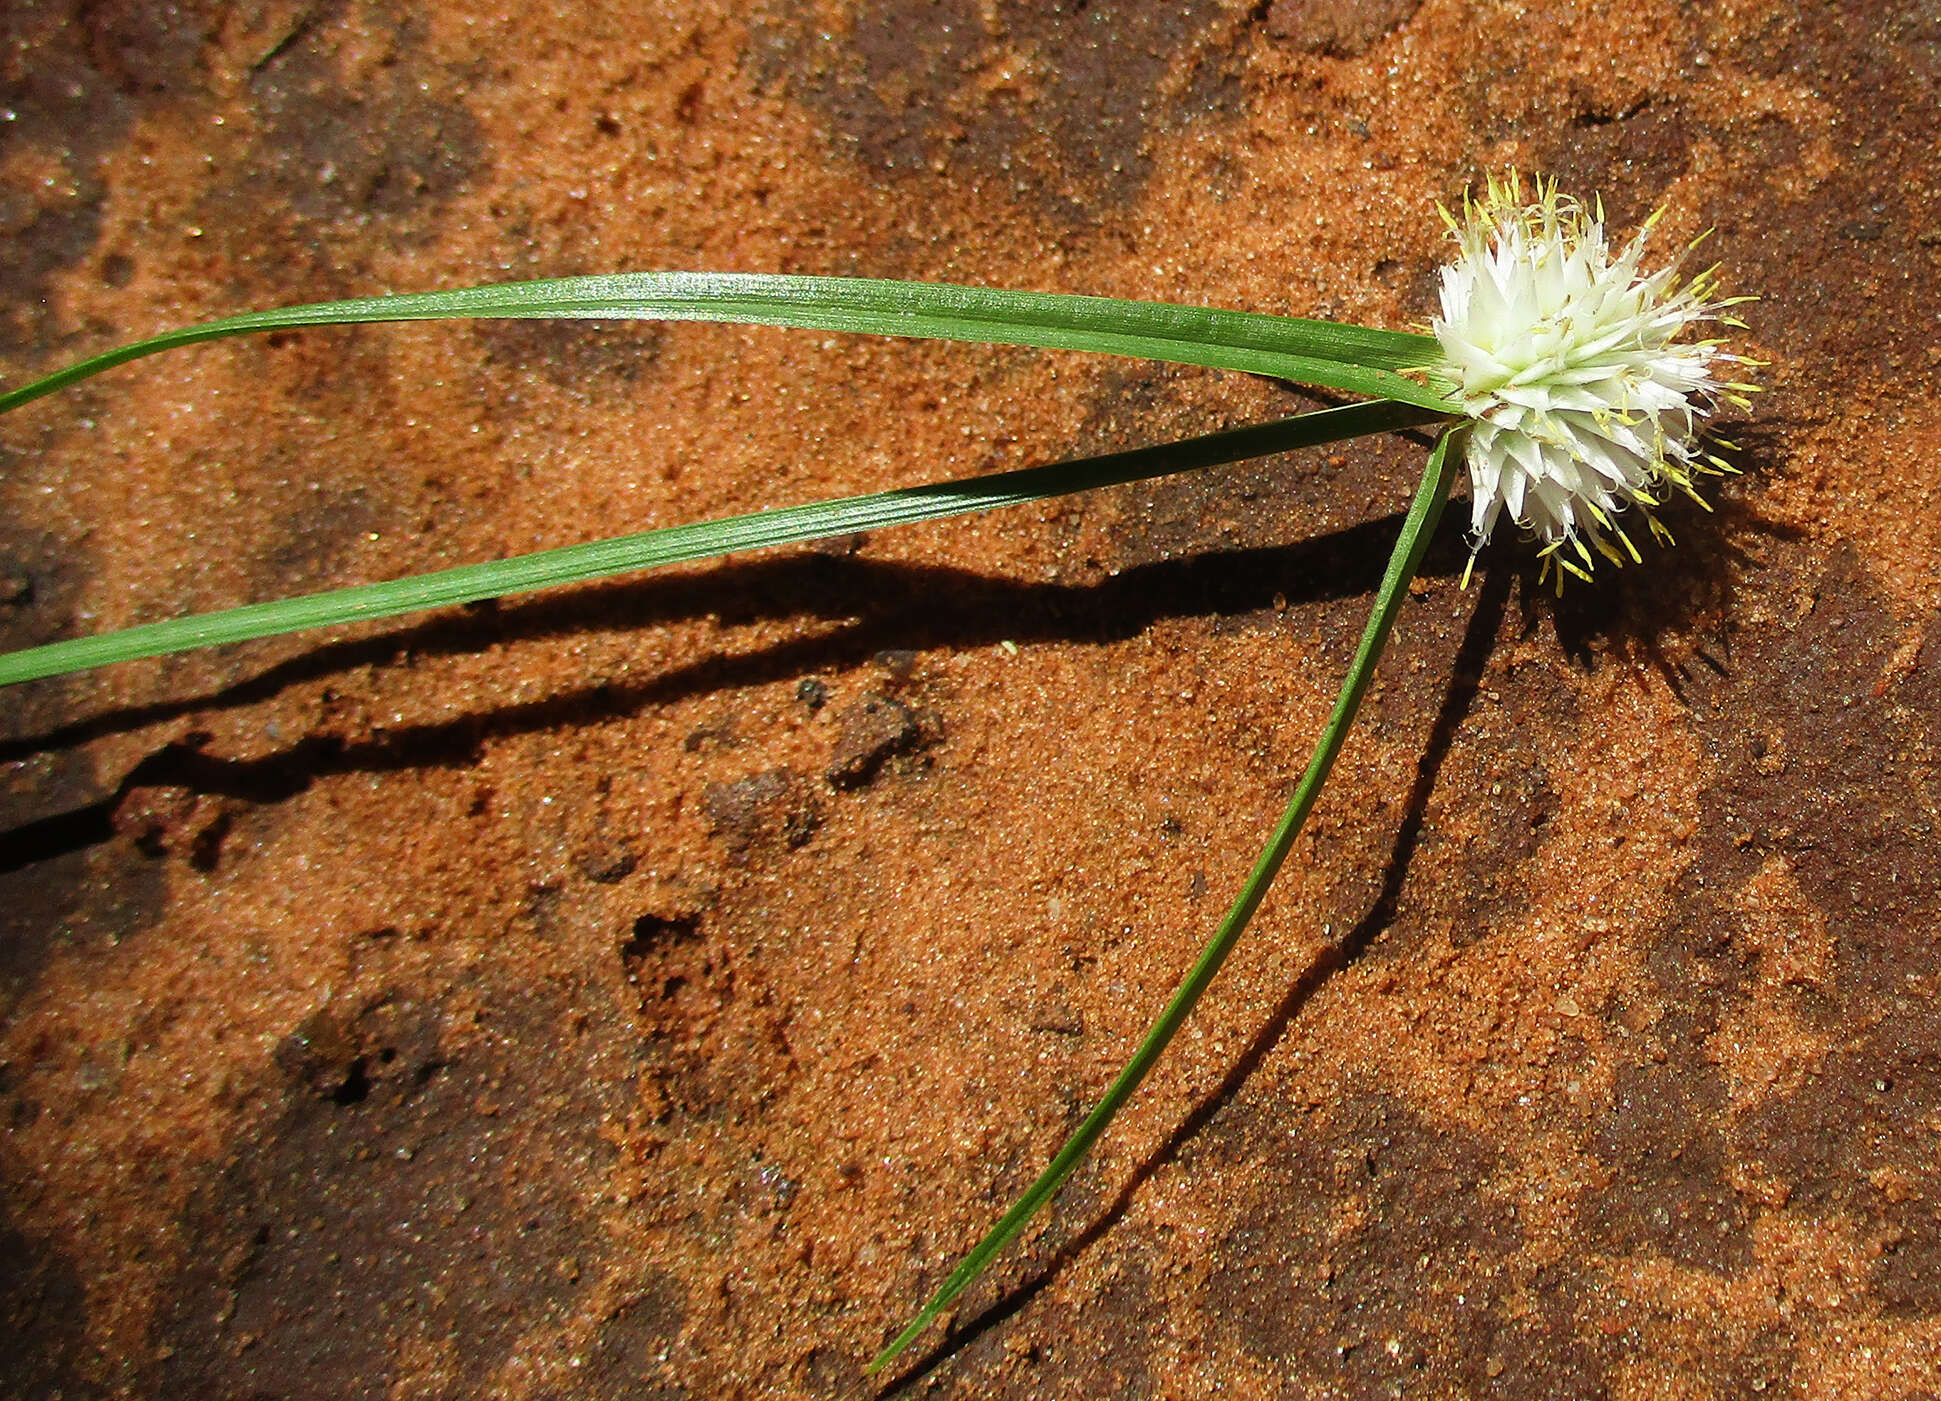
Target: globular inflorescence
{"x": 1586, "y": 402}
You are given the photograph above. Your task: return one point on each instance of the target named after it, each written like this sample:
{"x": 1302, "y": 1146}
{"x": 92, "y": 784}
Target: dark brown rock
{"x": 874, "y": 730}
{"x": 772, "y": 808}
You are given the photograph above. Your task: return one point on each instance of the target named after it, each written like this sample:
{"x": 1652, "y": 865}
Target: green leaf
{"x": 1424, "y": 512}
{"x": 625, "y": 554}
{"x": 1352, "y": 359}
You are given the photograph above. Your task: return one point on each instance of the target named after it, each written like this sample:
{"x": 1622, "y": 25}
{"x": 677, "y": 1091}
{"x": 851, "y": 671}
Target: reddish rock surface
{"x": 648, "y": 989}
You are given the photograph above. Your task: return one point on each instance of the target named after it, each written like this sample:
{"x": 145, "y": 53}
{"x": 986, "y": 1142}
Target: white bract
{"x": 1585, "y": 403}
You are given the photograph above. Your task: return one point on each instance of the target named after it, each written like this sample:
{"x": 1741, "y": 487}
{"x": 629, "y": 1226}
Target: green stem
{"x": 677, "y": 544}
{"x": 1424, "y": 512}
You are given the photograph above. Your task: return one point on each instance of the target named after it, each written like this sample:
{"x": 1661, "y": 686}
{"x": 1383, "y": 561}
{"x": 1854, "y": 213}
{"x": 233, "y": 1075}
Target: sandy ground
{"x": 647, "y": 990}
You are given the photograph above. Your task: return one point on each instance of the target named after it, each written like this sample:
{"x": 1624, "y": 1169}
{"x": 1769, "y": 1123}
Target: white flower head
{"x": 1585, "y": 401}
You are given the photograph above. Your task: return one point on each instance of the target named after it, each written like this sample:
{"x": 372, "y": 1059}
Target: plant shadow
{"x": 874, "y": 606}
{"x": 1670, "y": 614}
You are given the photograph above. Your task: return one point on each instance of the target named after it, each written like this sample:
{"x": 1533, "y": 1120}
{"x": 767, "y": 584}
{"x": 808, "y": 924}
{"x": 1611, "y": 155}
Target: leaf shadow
{"x": 937, "y": 604}
{"x": 876, "y": 604}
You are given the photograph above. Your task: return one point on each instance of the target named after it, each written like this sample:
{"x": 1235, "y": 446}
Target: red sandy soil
{"x": 649, "y": 989}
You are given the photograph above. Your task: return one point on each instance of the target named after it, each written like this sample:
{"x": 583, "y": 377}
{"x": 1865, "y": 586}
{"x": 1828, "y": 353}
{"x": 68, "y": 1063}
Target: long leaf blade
{"x": 1352, "y": 359}
{"x": 676, "y": 544}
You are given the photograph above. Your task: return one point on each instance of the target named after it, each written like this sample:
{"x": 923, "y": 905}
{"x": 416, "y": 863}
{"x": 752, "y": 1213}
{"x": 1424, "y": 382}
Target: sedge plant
{"x": 1558, "y": 375}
